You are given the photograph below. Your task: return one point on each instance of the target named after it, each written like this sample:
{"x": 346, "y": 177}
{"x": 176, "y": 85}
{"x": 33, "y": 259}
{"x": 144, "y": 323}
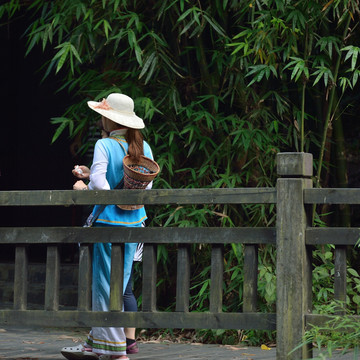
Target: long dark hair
{"x": 135, "y": 140}
{"x": 133, "y": 137}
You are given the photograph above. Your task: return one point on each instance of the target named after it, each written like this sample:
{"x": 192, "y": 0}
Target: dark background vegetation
{"x": 28, "y": 160}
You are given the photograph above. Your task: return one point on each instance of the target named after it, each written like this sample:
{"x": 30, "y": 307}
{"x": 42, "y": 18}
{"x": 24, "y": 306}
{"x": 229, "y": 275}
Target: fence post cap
{"x": 294, "y": 164}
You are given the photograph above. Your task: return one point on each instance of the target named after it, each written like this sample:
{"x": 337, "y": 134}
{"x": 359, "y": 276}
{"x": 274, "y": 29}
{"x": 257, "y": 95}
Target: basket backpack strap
{"x": 121, "y": 183}
{"x": 118, "y": 141}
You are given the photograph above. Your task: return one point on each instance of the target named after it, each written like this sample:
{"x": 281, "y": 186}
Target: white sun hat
{"x": 118, "y": 108}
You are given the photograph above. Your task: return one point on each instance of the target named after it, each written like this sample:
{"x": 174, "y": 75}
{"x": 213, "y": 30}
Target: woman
{"x": 119, "y": 119}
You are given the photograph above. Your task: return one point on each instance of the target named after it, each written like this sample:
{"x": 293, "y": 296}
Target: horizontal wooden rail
{"x": 146, "y": 197}
{"x": 180, "y": 320}
{"x": 321, "y": 320}
{"x": 68, "y": 235}
{"x": 334, "y": 235}
{"x": 332, "y": 196}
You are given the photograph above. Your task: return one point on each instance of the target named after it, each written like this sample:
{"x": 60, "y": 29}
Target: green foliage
{"x": 340, "y": 333}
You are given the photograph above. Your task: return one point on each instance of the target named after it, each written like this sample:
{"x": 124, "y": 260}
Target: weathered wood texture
{"x": 292, "y": 263}
{"x": 84, "y": 278}
{"x": 340, "y": 277}
{"x": 336, "y": 236}
{"x": 183, "y": 278}
{"x": 68, "y": 235}
{"x": 217, "y": 278}
{"x": 52, "y": 281}
{"x": 292, "y": 236}
{"x": 181, "y": 320}
{"x": 117, "y": 277}
{"x": 332, "y": 196}
{"x": 146, "y": 197}
{"x": 250, "y": 278}
{"x": 149, "y": 278}
{"x": 321, "y": 320}
{"x": 293, "y": 164}
{"x": 20, "y": 278}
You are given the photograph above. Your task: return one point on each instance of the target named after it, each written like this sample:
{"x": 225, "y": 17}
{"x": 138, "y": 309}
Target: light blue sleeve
{"x": 147, "y": 151}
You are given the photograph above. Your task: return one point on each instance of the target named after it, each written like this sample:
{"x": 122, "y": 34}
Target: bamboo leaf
{"x": 354, "y": 59}
{"x": 75, "y": 53}
{"x": 147, "y": 64}
{"x": 215, "y": 25}
{"x": 186, "y": 13}
{"x": 116, "y": 5}
{"x": 138, "y": 54}
{"x": 131, "y": 39}
{"x": 327, "y": 5}
{"x": 62, "y": 59}
{"x": 64, "y": 122}
{"x": 71, "y": 63}
{"x": 98, "y": 24}
{"x": 151, "y": 70}
{"x": 107, "y": 27}
{"x": 34, "y": 41}
{"x": 355, "y": 77}
{"x": 187, "y": 27}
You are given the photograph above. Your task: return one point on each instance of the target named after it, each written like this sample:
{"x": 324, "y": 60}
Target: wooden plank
{"x": 116, "y": 276}
{"x": 72, "y": 235}
{"x": 84, "y": 278}
{"x": 291, "y": 268}
{"x": 250, "y": 278}
{"x": 322, "y": 320}
{"x": 336, "y": 236}
{"x": 149, "y": 278}
{"x": 168, "y": 320}
{"x": 292, "y": 164}
{"x": 217, "y": 278}
{"x": 146, "y": 197}
{"x": 332, "y": 196}
{"x": 20, "y": 278}
{"x": 340, "y": 278}
{"x": 183, "y": 277}
{"x": 52, "y": 279}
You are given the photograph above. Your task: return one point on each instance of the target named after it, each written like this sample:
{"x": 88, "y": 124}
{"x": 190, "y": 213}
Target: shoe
{"x": 78, "y": 352}
{"x": 132, "y": 349}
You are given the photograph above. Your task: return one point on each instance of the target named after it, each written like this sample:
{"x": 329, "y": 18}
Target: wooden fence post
{"x": 52, "y": 280}
{"x": 293, "y": 266}
{"x": 85, "y": 278}
{"x": 21, "y": 278}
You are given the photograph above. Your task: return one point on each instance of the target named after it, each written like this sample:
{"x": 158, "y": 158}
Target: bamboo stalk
{"x": 330, "y": 109}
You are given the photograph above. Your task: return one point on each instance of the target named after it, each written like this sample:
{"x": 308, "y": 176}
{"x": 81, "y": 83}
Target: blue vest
{"x": 112, "y": 215}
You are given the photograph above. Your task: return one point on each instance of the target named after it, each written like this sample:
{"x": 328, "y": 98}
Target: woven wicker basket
{"x": 138, "y": 175}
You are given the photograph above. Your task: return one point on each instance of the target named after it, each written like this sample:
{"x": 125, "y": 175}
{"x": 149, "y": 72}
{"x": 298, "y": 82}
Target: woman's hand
{"x": 80, "y": 185}
{"x": 81, "y": 171}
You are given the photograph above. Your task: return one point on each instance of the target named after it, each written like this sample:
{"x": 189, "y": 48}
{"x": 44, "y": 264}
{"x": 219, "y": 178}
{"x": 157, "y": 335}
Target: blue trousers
{"x": 130, "y": 303}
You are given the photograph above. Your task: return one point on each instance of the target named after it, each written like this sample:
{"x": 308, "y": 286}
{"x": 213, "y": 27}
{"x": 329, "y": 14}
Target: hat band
{"x": 104, "y": 105}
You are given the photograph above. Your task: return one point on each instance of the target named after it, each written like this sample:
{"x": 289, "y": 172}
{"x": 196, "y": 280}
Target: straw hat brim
{"x": 130, "y": 120}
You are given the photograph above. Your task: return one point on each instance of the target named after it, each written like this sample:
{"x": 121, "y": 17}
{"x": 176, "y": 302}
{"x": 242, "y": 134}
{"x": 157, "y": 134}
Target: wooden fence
{"x": 292, "y": 236}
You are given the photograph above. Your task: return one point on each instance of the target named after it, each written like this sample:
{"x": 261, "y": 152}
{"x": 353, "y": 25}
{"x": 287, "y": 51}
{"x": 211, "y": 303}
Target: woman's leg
{"x": 130, "y": 304}
{"x": 104, "y": 340}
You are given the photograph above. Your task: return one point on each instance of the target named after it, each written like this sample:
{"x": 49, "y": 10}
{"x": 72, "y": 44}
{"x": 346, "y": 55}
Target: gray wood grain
{"x": 71, "y": 235}
{"x": 146, "y": 197}
{"x": 181, "y": 320}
